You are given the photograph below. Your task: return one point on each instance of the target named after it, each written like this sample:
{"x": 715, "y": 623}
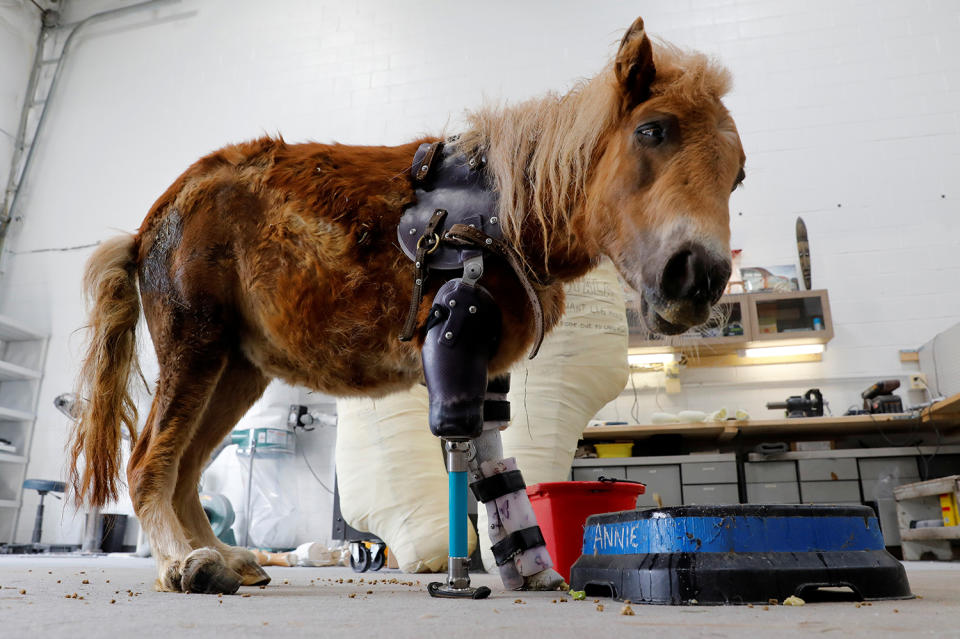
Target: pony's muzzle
{"x": 689, "y": 284}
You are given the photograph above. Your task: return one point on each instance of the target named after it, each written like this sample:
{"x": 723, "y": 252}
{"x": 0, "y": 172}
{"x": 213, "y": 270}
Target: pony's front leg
{"x": 462, "y": 335}
{"x": 518, "y": 545}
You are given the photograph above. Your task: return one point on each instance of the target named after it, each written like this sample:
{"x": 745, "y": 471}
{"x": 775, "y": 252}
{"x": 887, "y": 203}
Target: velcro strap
{"x": 496, "y": 410}
{"x": 516, "y": 542}
{"x": 489, "y": 488}
{"x": 499, "y": 384}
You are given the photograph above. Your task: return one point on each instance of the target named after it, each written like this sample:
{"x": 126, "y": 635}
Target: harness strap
{"x": 516, "y": 542}
{"x": 422, "y": 166}
{"x": 489, "y": 488}
{"x": 428, "y": 243}
{"x": 463, "y": 235}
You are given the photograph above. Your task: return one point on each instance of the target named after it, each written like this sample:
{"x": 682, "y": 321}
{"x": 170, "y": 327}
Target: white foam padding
{"x": 391, "y": 477}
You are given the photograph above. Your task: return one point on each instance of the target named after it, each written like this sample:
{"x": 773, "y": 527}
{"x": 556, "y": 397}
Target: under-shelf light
{"x": 651, "y": 359}
{"x": 784, "y": 351}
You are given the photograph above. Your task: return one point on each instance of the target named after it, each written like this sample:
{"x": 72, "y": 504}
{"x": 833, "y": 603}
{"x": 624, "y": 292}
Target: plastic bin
{"x": 614, "y": 449}
{"x": 562, "y": 509}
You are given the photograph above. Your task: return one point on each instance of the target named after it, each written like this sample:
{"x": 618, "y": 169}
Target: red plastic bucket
{"x": 562, "y": 508}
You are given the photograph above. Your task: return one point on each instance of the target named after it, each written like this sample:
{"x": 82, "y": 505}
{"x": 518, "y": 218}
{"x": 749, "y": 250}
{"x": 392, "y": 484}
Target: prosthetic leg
{"x": 462, "y": 335}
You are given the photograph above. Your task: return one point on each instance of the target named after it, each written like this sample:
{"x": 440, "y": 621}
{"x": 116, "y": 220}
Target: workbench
{"x": 741, "y": 475}
{"x": 944, "y": 417}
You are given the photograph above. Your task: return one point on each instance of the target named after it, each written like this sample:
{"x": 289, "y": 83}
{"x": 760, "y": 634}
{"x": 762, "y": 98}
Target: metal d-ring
{"x": 432, "y": 249}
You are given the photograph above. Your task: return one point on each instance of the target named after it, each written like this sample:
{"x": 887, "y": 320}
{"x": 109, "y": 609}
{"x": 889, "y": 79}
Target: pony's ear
{"x": 633, "y": 65}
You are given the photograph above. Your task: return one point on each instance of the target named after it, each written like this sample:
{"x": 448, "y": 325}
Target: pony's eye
{"x": 650, "y": 134}
{"x": 741, "y": 176}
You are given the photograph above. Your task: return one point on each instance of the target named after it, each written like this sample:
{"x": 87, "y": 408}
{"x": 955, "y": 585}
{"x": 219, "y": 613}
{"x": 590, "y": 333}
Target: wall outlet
{"x": 671, "y": 371}
{"x": 918, "y": 381}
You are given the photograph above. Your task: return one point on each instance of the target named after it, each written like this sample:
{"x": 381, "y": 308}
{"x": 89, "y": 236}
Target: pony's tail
{"x": 110, "y": 288}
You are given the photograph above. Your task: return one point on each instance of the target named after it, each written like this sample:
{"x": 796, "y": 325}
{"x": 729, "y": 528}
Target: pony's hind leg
{"x": 188, "y": 377}
{"x": 238, "y": 388}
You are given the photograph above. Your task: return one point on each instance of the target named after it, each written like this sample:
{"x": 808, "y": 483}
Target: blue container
{"x": 736, "y": 554}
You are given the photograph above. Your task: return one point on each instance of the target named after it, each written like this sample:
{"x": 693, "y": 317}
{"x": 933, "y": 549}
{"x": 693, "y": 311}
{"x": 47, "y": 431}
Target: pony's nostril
{"x": 678, "y": 275}
{"x": 691, "y": 274}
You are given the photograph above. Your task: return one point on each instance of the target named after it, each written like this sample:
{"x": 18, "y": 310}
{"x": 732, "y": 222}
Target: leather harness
{"x": 453, "y": 223}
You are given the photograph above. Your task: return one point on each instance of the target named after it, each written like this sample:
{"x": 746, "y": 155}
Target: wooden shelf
{"x": 703, "y": 430}
{"x": 722, "y": 350}
{"x": 12, "y": 330}
{"x": 796, "y": 428}
{"x": 12, "y": 372}
{"x": 945, "y": 411}
{"x": 760, "y": 339}
{"x": 930, "y": 534}
{"x": 929, "y": 488}
{"x": 14, "y": 415}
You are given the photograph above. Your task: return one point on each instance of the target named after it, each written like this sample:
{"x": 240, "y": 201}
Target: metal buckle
{"x": 432, "y": 249}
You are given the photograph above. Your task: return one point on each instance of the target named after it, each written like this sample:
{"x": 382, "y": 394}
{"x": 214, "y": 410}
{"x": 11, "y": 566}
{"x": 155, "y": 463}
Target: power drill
{"x": 879, "y": 398}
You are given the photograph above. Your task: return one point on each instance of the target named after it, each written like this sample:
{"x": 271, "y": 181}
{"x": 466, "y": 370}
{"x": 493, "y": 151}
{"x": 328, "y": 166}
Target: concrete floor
{"x": 115, "y": 599}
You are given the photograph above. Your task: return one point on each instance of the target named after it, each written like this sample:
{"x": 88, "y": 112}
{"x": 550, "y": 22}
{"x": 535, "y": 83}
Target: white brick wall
{"x": 850, "y": 103}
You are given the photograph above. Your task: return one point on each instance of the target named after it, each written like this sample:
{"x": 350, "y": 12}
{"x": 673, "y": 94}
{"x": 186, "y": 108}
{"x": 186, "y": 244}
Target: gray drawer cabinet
{"x": 842, "y": 468}
{"x": 886, "y": 467}
{"x": 594, "y": 473}
{"x": 709, "y": 473}
{"x": 785, "y": 492}
{"x": 766, "y": 472}
{"x": 663, "y": 480}
{"x": 710, "y": 494}
{"x": 830, "y": 492}
{"x": 878, "y": 477}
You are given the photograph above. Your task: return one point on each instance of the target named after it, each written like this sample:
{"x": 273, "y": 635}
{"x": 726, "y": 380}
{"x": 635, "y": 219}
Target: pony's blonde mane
{"x": 541, "y": 151}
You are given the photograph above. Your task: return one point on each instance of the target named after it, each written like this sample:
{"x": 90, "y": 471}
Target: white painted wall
{"x": 19, "y": 28}
{"x": 849, "y": 103}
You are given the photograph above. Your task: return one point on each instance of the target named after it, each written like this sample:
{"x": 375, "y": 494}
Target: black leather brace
{"x": 516, "y": 542}
{"x": 464, "y": 329}
{"x": 446, "y": 180}
{"x": 489, "y": 488}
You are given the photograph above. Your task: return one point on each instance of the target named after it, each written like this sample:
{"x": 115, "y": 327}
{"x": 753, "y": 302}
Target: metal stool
{"x": 42, "y": 486}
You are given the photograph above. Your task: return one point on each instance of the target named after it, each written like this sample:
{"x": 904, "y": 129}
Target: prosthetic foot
{"x": 458, "y": 577}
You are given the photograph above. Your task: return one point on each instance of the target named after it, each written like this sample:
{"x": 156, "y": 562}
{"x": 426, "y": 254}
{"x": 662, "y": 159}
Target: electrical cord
{"x": 303, "y": 454}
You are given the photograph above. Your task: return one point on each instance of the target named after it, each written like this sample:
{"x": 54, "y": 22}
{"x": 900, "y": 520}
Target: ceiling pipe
{"x": 51, "y": 23}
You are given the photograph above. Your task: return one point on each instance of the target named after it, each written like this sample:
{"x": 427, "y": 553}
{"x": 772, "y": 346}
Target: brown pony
{"x": 267, "y": 259}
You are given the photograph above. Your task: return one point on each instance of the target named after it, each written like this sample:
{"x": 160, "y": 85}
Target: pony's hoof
{"x": 251, "y": 574}
{"x": 204, "y": 571}
{"x": 169, "y": 580}
{"x": 244, "y": 563}
{"x": 548, "y": 579}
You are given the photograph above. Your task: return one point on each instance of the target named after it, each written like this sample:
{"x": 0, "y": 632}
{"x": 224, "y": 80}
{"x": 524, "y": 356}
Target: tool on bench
{"x": 879, "y": 398}
{"x": 810, "y": 405}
